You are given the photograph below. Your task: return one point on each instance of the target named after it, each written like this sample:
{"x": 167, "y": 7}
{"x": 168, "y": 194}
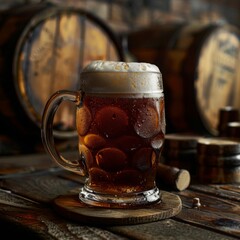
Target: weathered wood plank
{"x": 34, "y": 221}
{"x": 227, "y": 191}
{"x": 167, "y": 229}
{"x": 215, "y": 213}
{"x": 24, "y": 163}
{"x": 30, "y": 161}
{"x": 42, "y": 188}
{"x": 19, "y": 232}
{"x": 11, "y": 199}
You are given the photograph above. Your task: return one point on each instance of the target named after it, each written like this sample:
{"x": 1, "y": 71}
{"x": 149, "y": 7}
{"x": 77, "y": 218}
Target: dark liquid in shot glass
{"x": 120, "y": 139}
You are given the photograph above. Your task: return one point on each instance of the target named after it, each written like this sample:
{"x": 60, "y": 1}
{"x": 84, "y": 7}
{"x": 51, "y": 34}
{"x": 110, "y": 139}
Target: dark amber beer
{"x": 120, "y": 142}
{"x": 120, "y": 120}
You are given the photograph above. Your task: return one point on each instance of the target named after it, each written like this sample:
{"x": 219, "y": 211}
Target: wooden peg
{"x": 179, "y": 179}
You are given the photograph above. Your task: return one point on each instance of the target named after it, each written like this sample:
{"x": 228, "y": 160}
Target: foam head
{"x": 121, "y": 77}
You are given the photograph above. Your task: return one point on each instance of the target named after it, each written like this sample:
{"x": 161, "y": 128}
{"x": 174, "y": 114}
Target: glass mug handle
{"x": 47, "y": 129}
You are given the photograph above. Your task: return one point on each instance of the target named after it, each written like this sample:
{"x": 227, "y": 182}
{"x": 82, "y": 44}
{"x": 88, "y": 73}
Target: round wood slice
{"x": 218, "y": 147}
{"x": 71, "y": 207}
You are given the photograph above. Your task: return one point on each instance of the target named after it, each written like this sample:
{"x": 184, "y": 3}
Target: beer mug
{"x": 120, "y": 122}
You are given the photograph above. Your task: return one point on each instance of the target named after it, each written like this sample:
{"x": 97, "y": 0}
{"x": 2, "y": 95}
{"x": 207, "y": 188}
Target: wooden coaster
{"x": 71, "y": 207}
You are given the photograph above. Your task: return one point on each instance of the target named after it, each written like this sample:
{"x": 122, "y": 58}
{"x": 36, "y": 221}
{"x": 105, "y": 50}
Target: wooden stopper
{"x": 179, "y": 179}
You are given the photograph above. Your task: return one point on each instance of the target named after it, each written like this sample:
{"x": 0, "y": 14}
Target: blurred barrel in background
{"x": 43, "y": 48}
{"x": 201, "y": 71}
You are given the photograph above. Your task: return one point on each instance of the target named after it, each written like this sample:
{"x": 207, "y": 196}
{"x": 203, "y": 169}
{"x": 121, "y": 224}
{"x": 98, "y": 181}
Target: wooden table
{"x": 30, "y": 183}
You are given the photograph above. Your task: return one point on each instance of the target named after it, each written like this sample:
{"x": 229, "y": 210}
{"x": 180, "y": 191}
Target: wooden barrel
{"x": 200, "y": 70}
{"x": 43, "y": 48}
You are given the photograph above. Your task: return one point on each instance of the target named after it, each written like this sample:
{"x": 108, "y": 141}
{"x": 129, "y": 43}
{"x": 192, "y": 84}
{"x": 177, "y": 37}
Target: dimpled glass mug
{"x": 120, "y": 121}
